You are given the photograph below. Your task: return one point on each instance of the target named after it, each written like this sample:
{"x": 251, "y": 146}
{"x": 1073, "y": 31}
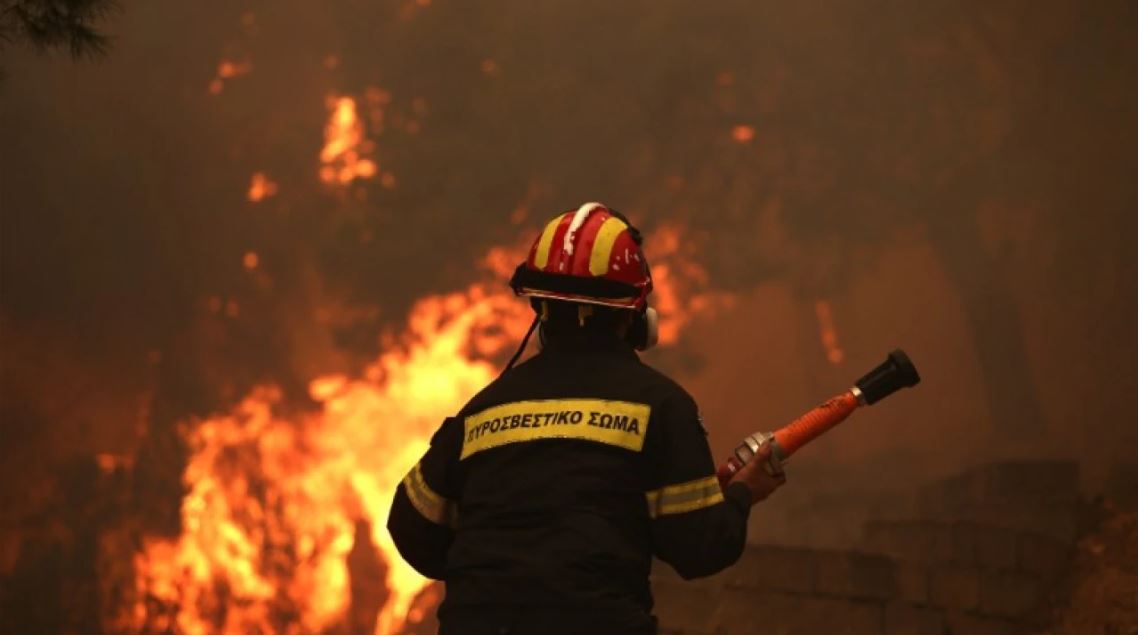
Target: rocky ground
{"x": 1103, "y": 589}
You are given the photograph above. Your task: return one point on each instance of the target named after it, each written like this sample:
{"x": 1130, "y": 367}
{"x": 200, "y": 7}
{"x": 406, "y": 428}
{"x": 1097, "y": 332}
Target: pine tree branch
{"x": 51, "y": 24}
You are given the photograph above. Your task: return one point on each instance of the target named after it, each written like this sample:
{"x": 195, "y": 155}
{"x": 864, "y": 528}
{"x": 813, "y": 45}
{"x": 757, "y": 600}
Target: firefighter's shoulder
{"x": 667, "y": 390}
{"x": 504, "y": 388}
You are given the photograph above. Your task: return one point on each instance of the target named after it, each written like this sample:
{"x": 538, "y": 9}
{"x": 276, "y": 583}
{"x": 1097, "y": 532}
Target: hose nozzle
{"x": 895, "y": 373}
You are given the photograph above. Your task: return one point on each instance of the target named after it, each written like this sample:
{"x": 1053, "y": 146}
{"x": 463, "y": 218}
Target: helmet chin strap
{"x": 644, "y": 334}
{"x": 522, "y": 348}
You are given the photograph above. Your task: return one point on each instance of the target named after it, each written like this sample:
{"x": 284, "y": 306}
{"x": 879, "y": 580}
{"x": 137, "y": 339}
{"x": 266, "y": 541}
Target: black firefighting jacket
{"x": 550, "y": 492}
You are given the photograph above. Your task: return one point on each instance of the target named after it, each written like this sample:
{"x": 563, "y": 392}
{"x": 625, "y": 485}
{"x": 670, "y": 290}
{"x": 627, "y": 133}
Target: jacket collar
{"x": 589, "y": 342}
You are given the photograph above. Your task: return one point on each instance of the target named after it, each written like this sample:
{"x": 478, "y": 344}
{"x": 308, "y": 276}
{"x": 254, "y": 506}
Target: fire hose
{"x": 895, "y": 373}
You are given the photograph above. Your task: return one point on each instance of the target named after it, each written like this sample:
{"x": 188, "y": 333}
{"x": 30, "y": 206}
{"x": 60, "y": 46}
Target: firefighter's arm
{"x": 697, "y": 527}
{"x": 424, "y": 511}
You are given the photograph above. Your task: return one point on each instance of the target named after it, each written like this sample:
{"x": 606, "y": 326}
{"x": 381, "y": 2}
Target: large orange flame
{"x": 275, "y": 497}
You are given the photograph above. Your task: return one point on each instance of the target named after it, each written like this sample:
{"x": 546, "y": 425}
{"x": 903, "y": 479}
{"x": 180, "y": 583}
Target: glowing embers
{"x": 344, "y": 157}
{"x": 260, "y": 187}
{"x": 743, "y": 134}
{"x": 227, "y": 70}
{"x": 827, "y": 332}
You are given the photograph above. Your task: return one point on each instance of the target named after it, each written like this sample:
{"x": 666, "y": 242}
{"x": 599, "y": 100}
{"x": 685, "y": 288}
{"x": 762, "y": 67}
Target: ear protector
{"x": 645, "y": 330}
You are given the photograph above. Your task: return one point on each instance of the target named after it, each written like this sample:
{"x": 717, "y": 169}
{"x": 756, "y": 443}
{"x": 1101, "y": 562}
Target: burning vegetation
{"x": 277, "y": 502}
{"x": 284, "y": 511}
{"x": 282, "y": 523}
{"x": 229, "y": 328}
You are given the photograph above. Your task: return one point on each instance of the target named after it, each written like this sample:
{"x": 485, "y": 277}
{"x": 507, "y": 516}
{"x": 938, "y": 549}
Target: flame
{"x": 344, "y": 145}
{"x": 273, "y": 498}
{"x": 251, "y": 260}
{"x": 678, "y": 281}
{"x": 743, "y": 133}
{"x": 109, "y": 462}
{"x": 228, "y": 69}
{"x": 827, "y": 332}
{"x": 260, "y": 187}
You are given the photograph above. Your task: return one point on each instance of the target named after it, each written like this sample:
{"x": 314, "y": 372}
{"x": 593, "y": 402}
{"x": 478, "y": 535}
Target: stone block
{"x": 967, "y": 624}
{"x": 743, "y": 612}
{"x": 941, "y": 497}
{"x": 1058, "y": 521}
{"x": 1122, "y": 484}
{"x": 683, "y": 607}
{"x": 912, "y": 583}
{"x": 1039, "y": 482}
{"x": 910, "y": 540}
{"x": 856, "y": 575}
{"x": 10, "y": 544}
{"x": 779, "y": 568}
{"x": 1009, "y": 594}
{"x": 954, "y": 587}
{"x": 1024, "y": 495}
{"x": 1043, "y": 556}
{"x": 906, "y": 619}
{"x": 984, "y": 546}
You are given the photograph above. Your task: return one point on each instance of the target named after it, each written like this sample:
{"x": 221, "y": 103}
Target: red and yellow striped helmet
{"x": 589, "y": 255}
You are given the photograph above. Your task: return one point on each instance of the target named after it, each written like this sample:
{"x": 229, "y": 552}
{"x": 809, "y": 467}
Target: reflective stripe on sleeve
{"x": 684, "y": 497}
{"x": 426, "y": 501}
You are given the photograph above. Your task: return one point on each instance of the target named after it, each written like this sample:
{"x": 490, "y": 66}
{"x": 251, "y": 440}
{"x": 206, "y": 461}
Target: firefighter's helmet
{"x": 591, "y": 255}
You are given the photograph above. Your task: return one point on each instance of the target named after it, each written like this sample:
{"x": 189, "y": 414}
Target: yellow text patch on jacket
{"x": 619, "y": 423}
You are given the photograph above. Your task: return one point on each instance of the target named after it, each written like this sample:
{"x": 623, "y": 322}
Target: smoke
{"x": 951, "y": 179}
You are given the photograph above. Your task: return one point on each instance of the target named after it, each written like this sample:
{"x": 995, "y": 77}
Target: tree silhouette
{"x": 52, "y": 24}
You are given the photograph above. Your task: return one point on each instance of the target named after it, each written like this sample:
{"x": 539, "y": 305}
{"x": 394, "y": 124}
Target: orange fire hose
{"x": 815, "y": 423}
{"x": 895, "y": 373}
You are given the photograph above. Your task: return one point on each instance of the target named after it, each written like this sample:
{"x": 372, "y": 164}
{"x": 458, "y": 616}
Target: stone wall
{"x": 981, "y": 557}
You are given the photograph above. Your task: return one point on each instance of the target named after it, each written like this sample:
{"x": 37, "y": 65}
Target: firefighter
{"x": 542, "y": 503}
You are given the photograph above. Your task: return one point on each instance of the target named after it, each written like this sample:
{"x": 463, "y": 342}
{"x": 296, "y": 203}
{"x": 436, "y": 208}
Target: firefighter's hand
{"x": 759, "y": 476}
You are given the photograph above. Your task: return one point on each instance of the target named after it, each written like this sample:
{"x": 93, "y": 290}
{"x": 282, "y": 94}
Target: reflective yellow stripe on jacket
{"x": 426, "y": 501}
{"x": 684, "y": 497}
